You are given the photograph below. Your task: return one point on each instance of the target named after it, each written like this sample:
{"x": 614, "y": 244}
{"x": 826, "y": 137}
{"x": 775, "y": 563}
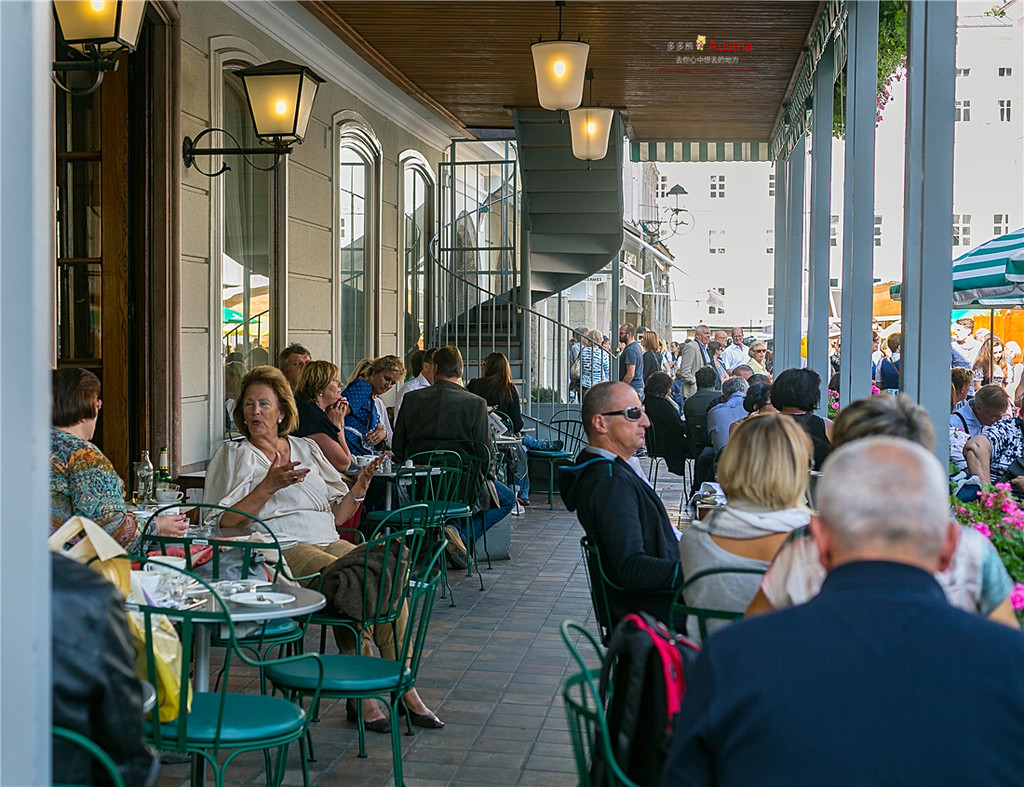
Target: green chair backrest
{"x": 441, "y": 483}
{"x": 173, "y": 735}
{"x": 680, "y": 610}
{"x": 588, "y": 730}
{"x": 246, "y": 550}
{"x": 106, "y": 763}
{"x": 388, "y": 555}
{"x": 570, "y": 431}
{"x": 599, "y": 584}
{"x": 477, "y": 461}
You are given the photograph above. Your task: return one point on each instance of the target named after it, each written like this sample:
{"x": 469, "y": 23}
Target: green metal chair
{"x": 412, "y": 515}
{"x": 104, "y": 760}
{"x": 435, "y": 489}
{"x": 680, "y": 610}
{"x": 588, "y": 727}
{"x": 602, "y": 588}
{"x": 570, "y": 432}
{"x": 221, "y": 720}
{"x": 477, "y": 462}
{"x": 361, "y": 677}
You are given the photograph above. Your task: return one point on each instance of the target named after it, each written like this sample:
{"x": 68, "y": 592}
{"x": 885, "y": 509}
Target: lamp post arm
{"x": 189, "y": 152}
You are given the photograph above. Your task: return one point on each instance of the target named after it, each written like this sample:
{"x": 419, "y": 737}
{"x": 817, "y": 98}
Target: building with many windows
{"x": 732, "y": 246}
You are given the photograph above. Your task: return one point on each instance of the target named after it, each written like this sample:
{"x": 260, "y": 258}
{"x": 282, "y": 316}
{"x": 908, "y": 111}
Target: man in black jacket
{"x": 618, "y": 509}
{"x": 96, "y": 691}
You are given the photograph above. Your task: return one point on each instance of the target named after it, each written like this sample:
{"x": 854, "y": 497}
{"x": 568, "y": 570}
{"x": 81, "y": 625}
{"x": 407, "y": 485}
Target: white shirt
{"x": 302, "y": 510}
{"x": 417, "y": 382}
{"x": 733, "y": 356}
{"x": 382, "y": 417}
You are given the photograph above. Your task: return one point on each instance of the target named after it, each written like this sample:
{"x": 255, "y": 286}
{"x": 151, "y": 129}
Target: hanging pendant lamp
{"x": 560, "y": 67}
{"x": 590, "y": 127}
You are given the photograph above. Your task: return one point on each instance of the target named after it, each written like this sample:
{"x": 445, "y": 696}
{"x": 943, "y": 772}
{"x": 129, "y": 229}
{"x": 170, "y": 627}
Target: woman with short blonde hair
{"x": 757, "y": 353}
{"x": 763, "y": 471}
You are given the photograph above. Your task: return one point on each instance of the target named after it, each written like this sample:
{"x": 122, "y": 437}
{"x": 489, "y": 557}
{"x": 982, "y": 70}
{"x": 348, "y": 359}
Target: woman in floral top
{"x": 82, "y": 480}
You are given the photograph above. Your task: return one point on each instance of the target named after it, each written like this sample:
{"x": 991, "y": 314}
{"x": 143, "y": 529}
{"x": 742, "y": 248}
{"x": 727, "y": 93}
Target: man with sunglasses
{"x": 620, "y": 512}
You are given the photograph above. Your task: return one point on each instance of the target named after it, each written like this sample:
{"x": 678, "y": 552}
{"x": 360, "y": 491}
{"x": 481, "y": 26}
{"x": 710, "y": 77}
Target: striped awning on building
{"x": 698, "y": 151}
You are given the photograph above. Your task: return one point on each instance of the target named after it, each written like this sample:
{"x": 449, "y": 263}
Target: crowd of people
{"x": 306, "y": 465}
{"x": 842, "y": 526}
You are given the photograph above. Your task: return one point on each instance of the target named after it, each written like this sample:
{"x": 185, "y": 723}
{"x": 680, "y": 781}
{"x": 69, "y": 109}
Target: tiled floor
{"x": 493, "y": 673}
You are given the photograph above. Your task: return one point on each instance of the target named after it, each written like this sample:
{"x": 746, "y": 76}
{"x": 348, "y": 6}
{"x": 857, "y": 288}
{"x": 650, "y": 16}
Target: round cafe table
{"x": 306, "y": 601}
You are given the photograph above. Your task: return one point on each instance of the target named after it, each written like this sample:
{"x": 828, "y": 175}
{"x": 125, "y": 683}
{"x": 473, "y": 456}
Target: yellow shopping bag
{"x": 167, "y": 662}
{"x": 95, "y": 549}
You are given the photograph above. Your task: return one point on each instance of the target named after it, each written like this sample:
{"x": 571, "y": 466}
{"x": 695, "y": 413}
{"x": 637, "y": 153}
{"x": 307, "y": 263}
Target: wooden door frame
{"x": 155, "y": 190}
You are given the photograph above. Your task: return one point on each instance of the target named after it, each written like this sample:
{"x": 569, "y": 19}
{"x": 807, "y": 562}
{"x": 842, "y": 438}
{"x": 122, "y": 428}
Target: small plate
{"x": 264, "y": 598}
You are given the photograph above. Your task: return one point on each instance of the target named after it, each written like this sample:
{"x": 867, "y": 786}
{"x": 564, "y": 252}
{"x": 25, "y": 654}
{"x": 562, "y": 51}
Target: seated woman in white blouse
{"x": 291, "y": 486}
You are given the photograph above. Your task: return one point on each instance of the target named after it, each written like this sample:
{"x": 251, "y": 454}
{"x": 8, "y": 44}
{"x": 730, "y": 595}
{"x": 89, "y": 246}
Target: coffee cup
{"x": 169, "y": 495}
{"x": 161, "y": 562}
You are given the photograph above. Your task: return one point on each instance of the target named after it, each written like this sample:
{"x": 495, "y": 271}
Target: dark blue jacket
{"x": 625, "y": 518}
{"x": 877, "y": 680}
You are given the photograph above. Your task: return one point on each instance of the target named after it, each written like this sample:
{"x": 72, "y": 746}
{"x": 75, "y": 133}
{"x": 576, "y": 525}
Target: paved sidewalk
{"x": 493, "y": 672}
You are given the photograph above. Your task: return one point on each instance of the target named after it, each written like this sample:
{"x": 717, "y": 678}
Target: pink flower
{"x": 982, "y": 528}
{"x": 1017, "y": 596}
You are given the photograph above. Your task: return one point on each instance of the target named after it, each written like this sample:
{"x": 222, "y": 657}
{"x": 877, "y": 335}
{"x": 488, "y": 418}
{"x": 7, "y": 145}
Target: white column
{"x": 26, "y": 232}
{"x": 781, "y": 245}
{"x": 821, "y": 215}
{"x": 928, "y": 203}
{"x": 859, "y": 206}
{"x": 789, "y": 289}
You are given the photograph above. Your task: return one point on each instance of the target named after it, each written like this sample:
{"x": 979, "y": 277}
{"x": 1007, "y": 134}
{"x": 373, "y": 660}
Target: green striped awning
{"x": 698, "y": 151}
{"x": 990, "y": 275}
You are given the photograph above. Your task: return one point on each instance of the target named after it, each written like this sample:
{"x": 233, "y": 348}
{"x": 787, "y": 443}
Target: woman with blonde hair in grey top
{"x": 763, "y": 471}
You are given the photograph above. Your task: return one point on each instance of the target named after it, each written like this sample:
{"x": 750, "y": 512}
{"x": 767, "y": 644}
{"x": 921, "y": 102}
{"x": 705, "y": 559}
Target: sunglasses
{"x": 631, "y": 413}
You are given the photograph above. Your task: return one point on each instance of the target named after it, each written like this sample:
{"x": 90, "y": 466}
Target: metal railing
{"x": 485, "y": 308}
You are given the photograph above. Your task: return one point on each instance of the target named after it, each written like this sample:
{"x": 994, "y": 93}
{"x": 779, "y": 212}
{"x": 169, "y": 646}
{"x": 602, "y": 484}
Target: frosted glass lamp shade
{"x": 560, "y": 67}
{"x": 107, "y": 24}
{"x": 590, "y": 127}
{"x": 280, "y": 98}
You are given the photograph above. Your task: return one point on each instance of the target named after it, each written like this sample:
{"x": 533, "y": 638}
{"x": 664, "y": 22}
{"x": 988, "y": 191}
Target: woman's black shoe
{"x": 428, "y": 720}
{"x": 377, "y": 725}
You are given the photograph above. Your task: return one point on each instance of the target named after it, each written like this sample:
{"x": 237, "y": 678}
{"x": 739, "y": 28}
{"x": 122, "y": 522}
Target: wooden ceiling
{"x": 471, "y": 61}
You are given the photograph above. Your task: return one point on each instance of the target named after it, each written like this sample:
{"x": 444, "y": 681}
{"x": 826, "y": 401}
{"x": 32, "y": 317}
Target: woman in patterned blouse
{"x": 82, "y": 480}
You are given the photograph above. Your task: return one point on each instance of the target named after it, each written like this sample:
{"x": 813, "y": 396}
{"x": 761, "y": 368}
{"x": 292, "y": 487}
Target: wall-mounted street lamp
{"x": 280, "y": 97}
{"x": 91, "y": 33}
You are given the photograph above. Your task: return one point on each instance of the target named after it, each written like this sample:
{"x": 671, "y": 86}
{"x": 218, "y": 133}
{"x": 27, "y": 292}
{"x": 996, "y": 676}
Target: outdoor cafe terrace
{"x": 493, "y": 670}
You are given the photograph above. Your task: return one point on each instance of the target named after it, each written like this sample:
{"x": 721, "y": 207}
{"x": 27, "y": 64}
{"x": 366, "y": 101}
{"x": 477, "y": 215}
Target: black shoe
{"x": 377, "y": 725}
{"x": 427, "y": 720}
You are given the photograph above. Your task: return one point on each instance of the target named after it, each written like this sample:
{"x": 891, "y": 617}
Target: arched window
{"x": 417, "y": 232}
{"x": 358, "y": 216}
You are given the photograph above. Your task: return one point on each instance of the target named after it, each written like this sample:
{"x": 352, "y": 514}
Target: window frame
{"x": 351, "y": 130}
{"x": 414, "y": 161}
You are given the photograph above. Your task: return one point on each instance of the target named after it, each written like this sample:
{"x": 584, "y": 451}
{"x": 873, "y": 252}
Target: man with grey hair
{"x": 875, "y": 680}
{"x": 724, "y": 415}
{"x": 693, "y": 356}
